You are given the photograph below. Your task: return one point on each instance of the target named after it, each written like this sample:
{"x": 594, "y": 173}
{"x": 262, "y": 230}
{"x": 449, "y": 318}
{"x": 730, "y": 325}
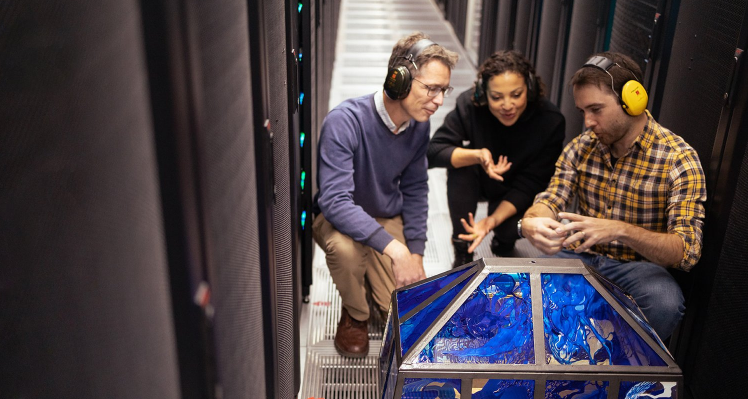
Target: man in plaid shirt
{"x": 640, "y": 191}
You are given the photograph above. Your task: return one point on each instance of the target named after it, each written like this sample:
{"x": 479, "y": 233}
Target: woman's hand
{"x": 475, "y": 231}
{"x": 493, "y": 170}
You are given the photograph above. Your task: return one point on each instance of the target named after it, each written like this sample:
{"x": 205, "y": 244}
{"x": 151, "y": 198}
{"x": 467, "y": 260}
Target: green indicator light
{"x": 302, "y": 138}
{"x": 300, "y": 5}
{"x": 303, "y": 179}
{"x": 303, "y": 219}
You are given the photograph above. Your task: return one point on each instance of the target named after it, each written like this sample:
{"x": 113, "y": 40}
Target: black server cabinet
{"x": 455, "y": 11}
{"x": 274, "y": 117}
{"x": 200, "y": 67}
{"x": 711, "y": 113}
{"x": 319, "y": 27}
{"x": 308, "y": 98}
{"x": 553, "y": 38}
{"x": 587, "y": 30}
{"x": 633, "y": 29}
{"x": 527, "y": 27}
{"x": 171, "y": 49}
{"x": 85, "y": 309}
{"x": 486, "y": 46}
{"x": 226, "y": 145}
{"x": 497, "y": 27}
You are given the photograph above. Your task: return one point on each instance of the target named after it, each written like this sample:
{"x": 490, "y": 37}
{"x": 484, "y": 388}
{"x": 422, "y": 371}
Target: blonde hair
{"x": 435, "y": 52}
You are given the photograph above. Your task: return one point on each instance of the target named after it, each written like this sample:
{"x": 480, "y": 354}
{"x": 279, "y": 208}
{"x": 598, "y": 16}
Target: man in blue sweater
{"x": 372, "y": 203}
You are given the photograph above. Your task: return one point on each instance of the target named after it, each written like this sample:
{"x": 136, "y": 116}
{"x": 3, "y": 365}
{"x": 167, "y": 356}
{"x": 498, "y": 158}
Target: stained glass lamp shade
{"x": 515, "y": 328}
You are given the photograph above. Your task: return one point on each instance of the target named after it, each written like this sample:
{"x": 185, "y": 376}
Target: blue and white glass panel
{"x": 647, "y": 390}
{"x": 560, "y": 389}
{"x": 416, "y": 388}
{"x": 387, "y": 351}
{"x": 414, "y": 327}
{"x": 503, "y": 389}
{"x": 582, "y": 328}
{"x": 494, "y": 325}
{"x": 391, "y": 378}
{"x": 407, "y": 300}
{"x": 632, "y": 308}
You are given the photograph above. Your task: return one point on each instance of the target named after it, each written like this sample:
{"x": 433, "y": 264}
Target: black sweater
{"x": 532, "y": 144}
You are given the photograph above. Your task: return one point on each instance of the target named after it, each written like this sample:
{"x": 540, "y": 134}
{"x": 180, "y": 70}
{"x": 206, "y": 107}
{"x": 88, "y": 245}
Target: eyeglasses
{"x": 433, "y": 91}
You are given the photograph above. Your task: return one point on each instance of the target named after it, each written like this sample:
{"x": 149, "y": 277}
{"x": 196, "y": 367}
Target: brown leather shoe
{"x": 352, "y": 337}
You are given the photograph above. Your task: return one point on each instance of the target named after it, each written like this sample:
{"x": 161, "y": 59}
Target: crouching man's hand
{"x": 407, "y": 267}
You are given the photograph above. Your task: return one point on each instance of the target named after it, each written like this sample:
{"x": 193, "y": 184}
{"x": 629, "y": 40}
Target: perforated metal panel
{"x": 285, "y": 270}
{"x": 632, "y": 26}
{"x": 82, "y": 249}
{"x": 586, "y": 35}
{"x": 227, "y": 146}
{"x": 552, "y": 41}
{"x": 702, "y": 56}
{"x": 524, "y": 24}
{"x": 505, "y": 22}
{"x": 487, "y": 44}
{"x": 722, "y": 355}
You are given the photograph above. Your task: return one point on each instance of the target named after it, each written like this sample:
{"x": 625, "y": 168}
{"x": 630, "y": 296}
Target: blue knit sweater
{"x": 365, "y": 171}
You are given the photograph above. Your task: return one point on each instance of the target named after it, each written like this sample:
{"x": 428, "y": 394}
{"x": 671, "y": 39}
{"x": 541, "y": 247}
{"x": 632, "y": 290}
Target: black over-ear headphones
{"x": 633, "y": 96}
{"x": 481, "y": 87}
{"x": 398, "y": 81}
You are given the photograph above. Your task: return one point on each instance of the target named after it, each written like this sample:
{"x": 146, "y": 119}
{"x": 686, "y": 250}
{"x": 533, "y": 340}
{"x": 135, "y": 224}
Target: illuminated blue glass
{"x": 647, "y": 389}
{"x": 300, "y": 5}
{"x": 391, "y": 382}
{"x": 302, "y": 138}
{"x": 493, "y": 325}
{"x": 582, "y": 328}
{"x": 505, "y": 389}
{"x": 632, "y": 308}
{"x": 411, "y": 329}
{"x": 576, "y": 389}
{"x": 416, "y": 388}
{"x": 408, "y": 299}
{"x": 301, "y": 99}
{"x": 384, "y": 356}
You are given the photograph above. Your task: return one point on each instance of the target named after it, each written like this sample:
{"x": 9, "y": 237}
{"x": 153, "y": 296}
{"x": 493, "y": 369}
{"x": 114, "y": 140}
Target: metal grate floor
{"x": 327, "y": 374}
{"x": 368, "y": 29}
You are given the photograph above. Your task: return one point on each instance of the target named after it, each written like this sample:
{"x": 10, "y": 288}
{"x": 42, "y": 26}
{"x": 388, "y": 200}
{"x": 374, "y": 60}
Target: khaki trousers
{"x": 353, "y": 264}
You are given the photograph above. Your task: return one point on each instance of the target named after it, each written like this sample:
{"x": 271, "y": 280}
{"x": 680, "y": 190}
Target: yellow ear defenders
{"x": 633, "y": 96}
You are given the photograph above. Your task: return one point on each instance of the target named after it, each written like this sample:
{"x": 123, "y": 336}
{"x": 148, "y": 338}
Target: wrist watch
{"x": 519, "y": 229}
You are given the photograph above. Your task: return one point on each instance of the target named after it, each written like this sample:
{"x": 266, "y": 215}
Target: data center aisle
{"x": 368, "y": 29}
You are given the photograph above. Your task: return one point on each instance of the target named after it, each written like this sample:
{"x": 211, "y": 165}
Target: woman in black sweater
{"x": 500, "y": 144}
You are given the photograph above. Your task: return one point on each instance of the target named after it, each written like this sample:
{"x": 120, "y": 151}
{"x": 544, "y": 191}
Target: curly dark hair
{"x": 509, "y": 61}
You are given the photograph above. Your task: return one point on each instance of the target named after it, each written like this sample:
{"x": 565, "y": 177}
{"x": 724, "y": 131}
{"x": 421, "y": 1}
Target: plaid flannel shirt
{"x": 658, "y": 185}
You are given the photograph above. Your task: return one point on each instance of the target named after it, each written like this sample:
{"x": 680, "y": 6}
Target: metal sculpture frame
{"x": 540, "y": 372}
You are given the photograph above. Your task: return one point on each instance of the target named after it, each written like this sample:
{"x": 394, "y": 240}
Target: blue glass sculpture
{"x": 508, "y": 327}
{"x": 561, "y": 389}
{"x": 503, "y": 389}
{"x": 493, "y": 325}
{"x": 647, "y": 389}
{"x": 581, "y": 327}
